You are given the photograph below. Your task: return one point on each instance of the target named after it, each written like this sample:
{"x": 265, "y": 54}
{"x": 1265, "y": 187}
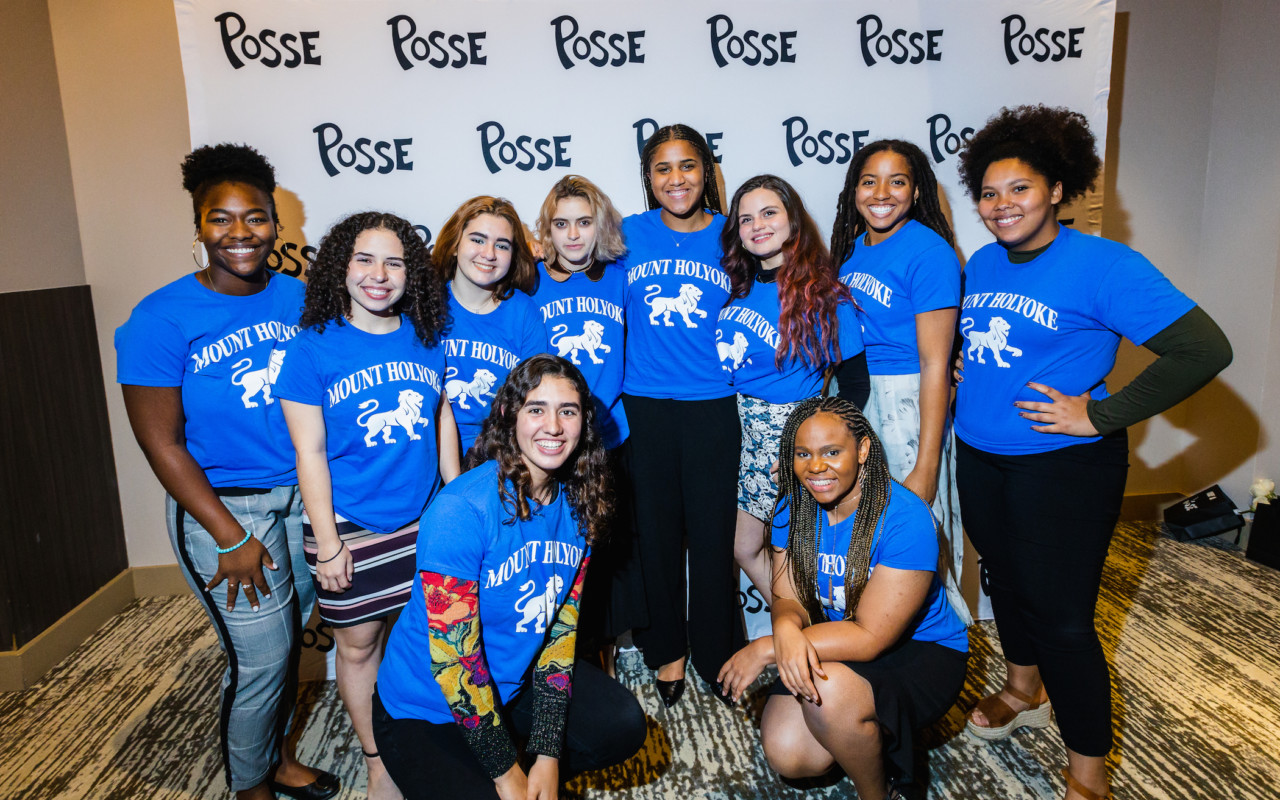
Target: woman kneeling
{"x": 867, "y": 648}
{"x": 494, "y": 610}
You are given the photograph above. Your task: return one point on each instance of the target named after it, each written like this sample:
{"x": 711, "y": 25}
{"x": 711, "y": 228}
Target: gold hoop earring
{"x": 194, "y": 244}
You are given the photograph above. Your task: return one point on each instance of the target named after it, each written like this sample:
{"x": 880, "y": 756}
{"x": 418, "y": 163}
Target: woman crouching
{"x": 867, "y": 648}
{"x": 494, "y": 611}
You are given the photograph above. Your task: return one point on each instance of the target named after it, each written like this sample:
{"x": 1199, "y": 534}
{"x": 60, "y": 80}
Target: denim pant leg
{"x": 259, "y": 644}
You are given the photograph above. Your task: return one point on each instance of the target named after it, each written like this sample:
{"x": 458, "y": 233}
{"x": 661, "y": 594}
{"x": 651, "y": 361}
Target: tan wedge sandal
{"x": 1081, "y": 789}
{"x": 1004, "y": 720}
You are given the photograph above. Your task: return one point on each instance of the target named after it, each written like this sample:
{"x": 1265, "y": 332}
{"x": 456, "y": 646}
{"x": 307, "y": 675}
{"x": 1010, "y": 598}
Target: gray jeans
{"x": 259, "y": 687}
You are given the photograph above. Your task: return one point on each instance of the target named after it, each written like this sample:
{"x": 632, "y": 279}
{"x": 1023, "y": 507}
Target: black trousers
{"x": 605, "y": 726}
{"x": 1042, "y": 524}
{"x": 684, "y": 468}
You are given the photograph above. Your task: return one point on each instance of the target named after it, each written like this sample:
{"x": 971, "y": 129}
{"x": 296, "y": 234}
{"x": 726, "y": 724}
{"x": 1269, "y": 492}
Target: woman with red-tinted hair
{"x": 788, "y": 323}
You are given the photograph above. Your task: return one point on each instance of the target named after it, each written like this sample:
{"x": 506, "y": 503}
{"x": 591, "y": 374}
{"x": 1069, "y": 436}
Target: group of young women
{"x": 667, "y": 397}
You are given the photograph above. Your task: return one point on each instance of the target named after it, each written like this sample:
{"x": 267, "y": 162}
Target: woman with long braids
{"x": 897, "y": 253}
{"x": 868, "y": 649}
{"x": 788, "y": 324}
{"x": 684, "y": 420}
{"x": 483, "y": 656}
{"x": 1042, "y": 451}
{"x": 361, "y": 388}
{"x": 482, "y": 253}
{"x": 196, "y": 364}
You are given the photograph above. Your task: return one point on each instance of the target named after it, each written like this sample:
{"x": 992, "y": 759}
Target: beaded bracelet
{"x": 341, "y": 547}
{"x": 222, "y": 551}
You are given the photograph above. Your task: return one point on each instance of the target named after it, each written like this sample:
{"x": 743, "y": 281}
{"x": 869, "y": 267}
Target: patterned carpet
{"x": 1192, "y": 632}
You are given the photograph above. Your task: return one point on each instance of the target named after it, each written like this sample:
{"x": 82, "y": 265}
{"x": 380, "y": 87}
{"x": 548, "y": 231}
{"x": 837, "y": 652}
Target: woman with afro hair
{"x": 362, "y": 392}
{"x": 1043, "y": 453}
{"x": 196, "y": 361}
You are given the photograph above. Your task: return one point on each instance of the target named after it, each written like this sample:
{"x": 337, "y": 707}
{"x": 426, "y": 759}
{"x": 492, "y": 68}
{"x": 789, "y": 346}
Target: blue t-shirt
{"x": 905, "y": 539}
{"x": 675, "y": 288}
{"x": 912, "y": 272}
{"x": 379, "y": 394}
{"x": 480, "y": 349}
{"x": 525, "y": 571}
{"x": 219, "y": 349}
{"x": 747, "y": 341}
{"x": 1055, "y": 320}
{"x": 584, "y": 323}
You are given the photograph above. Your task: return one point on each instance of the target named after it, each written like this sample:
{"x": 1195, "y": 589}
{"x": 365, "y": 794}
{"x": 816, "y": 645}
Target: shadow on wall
{"x": 292, "y": 253}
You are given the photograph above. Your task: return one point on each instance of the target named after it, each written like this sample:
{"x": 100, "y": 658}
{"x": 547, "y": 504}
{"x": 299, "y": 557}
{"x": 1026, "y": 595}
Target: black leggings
{"x": 684, "y": 468}
{"x": 1042, "y": 523}
{"x": 605, "y": 726}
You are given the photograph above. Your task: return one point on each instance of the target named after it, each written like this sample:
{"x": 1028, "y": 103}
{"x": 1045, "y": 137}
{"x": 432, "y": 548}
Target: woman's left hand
{"x": 1065, "y": 414}
{"x": 743, "y": 668}
{"x": 544, "y": 779}
{"x": 923, "y": 483}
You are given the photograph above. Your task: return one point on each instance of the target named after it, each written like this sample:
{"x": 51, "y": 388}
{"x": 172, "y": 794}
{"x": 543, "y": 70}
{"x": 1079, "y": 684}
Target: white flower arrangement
{"x": 1262, "y": 490}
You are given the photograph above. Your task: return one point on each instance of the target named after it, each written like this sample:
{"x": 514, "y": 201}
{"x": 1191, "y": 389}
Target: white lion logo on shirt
{"x": 591, "y": 339}
{"x": 537, "y": 610}
{"x": 734, "y": 351}
{"x": 684, "y": 304}
{"x": 995, "y": 339}
{"x": 258, "y": 380}
{"x": 408, "y": 414}
{"x": 481, "y": 384}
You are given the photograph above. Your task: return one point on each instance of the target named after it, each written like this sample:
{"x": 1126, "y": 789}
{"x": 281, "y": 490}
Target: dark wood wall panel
{"x": 61, "y": 532}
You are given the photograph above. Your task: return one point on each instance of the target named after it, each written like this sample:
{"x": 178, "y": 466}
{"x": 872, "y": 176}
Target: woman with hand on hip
{"x": 867, "y": 647}
{"x": 788, "y": 322}
{"x": 196, "y": 364}
{"x": 1042, "y": 453}
{"x": 362, "y": 393}
{"x": 683, "y": 417}
{"x": 897, "y": 254}
{"x": 483, "y": 254}
{"x": 494, "y": 611}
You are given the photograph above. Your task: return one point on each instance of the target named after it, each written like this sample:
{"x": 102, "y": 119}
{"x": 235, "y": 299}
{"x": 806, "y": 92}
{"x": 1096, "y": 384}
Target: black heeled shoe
{"x": 325, "y": 785}
{"x": 669, "y": 691}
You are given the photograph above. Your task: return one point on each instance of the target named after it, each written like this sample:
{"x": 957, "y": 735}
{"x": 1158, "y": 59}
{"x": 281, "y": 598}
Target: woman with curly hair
{"x": 494, "y": 611}
{"x": 1042, "y": 451}
{"x": 868, "y": 649}
{"x": 683, "y": 418}
{"x": 897, "y": 253}
{"x": 581, "y": 294}
{"x": 483, "y": 254}
{"x": 361, "y": 391}
{"x": 196, "y": 364}
{"x": 788, "y": 324}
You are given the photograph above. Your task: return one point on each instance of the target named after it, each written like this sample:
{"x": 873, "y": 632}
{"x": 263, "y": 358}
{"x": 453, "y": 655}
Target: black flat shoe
{"x": 325, "y": 785}
{"x": 669, "y": 691}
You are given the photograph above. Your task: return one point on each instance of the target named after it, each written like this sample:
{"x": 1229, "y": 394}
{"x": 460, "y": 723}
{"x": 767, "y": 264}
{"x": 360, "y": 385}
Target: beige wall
{"x": 39, "y": 235}
{"x": 126, "y": 122}
{"x": 1193, "y": 183}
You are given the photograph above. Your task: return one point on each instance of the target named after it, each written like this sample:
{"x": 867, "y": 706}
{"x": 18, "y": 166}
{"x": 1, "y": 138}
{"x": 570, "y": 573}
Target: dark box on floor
{"x": 1264, "y": 536}
{"x": 1206, "y": 513}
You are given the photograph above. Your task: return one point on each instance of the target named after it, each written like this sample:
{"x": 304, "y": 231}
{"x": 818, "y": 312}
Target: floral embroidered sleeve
{"x": 553, "y": 675}
{"x": 458, "y": 665}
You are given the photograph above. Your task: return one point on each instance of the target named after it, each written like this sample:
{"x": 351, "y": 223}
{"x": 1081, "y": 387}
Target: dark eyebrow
{"x": 225, "y": 211}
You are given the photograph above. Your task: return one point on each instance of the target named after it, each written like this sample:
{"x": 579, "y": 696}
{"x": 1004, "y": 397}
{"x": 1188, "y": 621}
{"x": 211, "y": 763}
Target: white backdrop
{"x": 413, "y": 107}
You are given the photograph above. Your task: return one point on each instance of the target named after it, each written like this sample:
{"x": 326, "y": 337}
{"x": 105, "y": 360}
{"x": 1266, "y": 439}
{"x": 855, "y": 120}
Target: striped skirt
{"x": 383, "y": 572}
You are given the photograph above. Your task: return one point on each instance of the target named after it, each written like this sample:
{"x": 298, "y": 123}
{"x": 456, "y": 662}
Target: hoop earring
{"x": 194, "y": 244}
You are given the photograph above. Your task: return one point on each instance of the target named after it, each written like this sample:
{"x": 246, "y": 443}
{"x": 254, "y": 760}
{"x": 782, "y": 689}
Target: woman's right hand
{"x": 958, "y": 372}
{"x": 334, "y": 574}
{"x": 242, "y": 569}
{"x": 512, "y": 784}
{"x": 797, "y": 662}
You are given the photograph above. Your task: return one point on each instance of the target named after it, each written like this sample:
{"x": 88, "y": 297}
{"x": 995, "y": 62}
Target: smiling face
{"x": 548, "y": 427}
{"x": 763, "y": 226}
{"x": 376, "y": 276}
{"x": 238, "y": 232}
{"x": 484, "y": 251}
{"x": 885, "y": 194}
{"x": 828, "y": 458}
{"x": 675, "y": 174}
{"x": 573, "y": 233}
{"x": 1018, "y": 205}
